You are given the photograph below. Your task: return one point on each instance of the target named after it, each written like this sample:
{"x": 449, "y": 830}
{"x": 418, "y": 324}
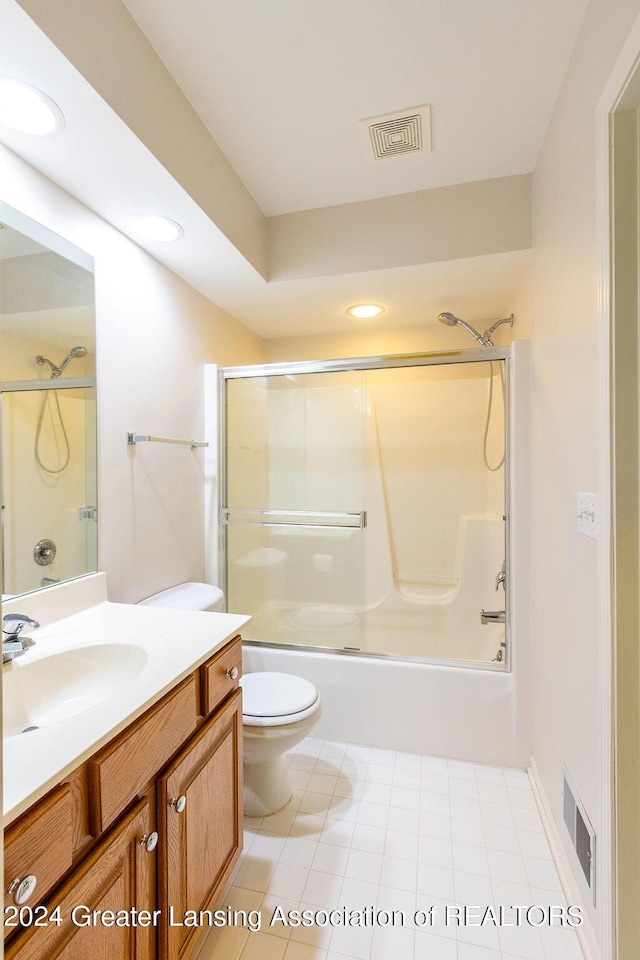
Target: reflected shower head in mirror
{"x": 74, "y": 354}
{"x": 450, "y": 320}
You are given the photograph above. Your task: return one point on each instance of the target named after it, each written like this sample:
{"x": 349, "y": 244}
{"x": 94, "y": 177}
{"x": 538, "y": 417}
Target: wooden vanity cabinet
{"x": 199, "y": 821}
{"x": 118, "y": 875}
{"x": 177, "y": 770}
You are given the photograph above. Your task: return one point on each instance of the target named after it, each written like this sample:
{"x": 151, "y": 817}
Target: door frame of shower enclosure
{"x": 388, "y": 362}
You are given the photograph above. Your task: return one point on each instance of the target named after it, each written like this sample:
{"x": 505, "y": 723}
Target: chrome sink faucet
{"x": 13, "y": 643}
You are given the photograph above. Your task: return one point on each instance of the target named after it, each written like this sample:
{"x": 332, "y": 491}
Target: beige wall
{"x": 373, "y": 343}
{"x": 445, "y": 223}
{"x": 154, "y": 332}
{"x": 558, "y": 312}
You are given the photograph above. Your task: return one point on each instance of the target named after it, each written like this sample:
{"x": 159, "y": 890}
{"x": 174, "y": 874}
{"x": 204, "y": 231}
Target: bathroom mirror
{"x": 47, "y": 407}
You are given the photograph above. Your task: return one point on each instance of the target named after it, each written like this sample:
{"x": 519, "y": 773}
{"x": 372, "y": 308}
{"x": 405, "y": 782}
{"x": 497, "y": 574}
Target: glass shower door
{"x": 436, "y": 511}
{"x": 293, "y": 507}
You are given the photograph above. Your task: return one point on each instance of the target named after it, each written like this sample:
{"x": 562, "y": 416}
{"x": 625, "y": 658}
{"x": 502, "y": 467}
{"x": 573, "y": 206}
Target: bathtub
{"x": 426, "y": 708}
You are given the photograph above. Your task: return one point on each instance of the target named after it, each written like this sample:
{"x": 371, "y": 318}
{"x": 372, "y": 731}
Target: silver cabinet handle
{"x": 22, "y": 889}
{"x": 232, "y": 672}
{"x": 149, "y": 841}
{"x": 178, "y": 803}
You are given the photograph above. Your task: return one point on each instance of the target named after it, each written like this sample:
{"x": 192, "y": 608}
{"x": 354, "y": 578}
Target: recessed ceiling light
{"x": 153, "y": 227}
{"x": 364, "y": 310}
{"x": 28, "y": 110}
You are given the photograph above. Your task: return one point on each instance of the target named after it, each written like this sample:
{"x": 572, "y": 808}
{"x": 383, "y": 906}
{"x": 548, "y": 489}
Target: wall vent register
{"x": 580, "y": 830}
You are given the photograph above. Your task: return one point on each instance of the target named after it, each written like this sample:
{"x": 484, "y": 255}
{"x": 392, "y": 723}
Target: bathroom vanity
{"x": 130, "y": 830}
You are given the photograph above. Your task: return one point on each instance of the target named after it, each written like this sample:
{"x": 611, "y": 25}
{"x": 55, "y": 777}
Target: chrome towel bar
{"x": 134, "y": 438}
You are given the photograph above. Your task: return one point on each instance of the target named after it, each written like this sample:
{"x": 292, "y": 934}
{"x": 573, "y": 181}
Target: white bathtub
{"x": 425, "y": 708}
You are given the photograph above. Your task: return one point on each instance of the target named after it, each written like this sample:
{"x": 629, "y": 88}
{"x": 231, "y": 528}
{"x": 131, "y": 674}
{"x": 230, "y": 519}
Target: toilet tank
{"x": 188, "y": 596}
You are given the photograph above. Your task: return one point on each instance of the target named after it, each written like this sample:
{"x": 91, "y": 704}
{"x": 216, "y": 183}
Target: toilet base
{"x": 266, "y": 787}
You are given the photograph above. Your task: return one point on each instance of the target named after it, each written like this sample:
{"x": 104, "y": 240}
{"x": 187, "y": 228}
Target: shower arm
{"x": 55, "y": 371}
{"x": 486, "y": 336}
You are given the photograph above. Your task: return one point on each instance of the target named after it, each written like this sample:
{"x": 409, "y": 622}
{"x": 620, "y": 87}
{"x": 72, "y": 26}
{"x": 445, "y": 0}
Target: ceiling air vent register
{"x": 394, "y": 134}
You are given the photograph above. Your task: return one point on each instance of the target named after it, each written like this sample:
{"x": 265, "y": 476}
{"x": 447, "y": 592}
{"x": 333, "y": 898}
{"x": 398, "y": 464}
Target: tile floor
{"x": 395, "y": 831}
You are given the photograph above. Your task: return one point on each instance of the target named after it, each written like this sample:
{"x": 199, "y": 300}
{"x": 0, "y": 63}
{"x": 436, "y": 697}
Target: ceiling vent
{"x": 393, "y": 134}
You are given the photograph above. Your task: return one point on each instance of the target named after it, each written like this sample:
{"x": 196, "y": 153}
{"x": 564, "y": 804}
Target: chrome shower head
{"x": 450, "y": 320}
{"x": 74, "y": 354}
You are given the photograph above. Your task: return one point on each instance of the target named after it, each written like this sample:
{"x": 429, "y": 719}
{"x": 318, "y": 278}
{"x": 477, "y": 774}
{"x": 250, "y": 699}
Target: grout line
{"x": 515, "y": 793}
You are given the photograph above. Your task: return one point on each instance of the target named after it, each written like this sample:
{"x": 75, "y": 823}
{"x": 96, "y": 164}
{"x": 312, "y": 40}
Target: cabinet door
{"x": 200, "y": 825}
{"x": 119, "y": 875}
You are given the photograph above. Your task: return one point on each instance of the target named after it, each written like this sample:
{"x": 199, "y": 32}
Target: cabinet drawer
{"x": 216, "y": 681}
{"x": 123, "y": 769}
{"x": 41, "y": 843}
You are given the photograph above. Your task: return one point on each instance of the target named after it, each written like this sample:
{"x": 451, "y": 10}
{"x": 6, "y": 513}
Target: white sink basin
{"x": 67, "y": 675}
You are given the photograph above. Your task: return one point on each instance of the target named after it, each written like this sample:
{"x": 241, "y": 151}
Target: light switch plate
{"x": 588, "y": 515}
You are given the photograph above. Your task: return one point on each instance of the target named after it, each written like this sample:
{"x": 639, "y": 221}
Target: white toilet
{"x": 278, "y": 711}
{"x": 189, "y": 596}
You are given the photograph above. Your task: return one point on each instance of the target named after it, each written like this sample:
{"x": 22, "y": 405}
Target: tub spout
{"x": 492, "y": 616}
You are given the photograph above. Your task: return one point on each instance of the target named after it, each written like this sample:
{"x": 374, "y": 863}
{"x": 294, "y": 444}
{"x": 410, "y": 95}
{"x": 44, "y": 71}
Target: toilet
{"x": 189, "y": 596}
{"x": 278, "y": 711}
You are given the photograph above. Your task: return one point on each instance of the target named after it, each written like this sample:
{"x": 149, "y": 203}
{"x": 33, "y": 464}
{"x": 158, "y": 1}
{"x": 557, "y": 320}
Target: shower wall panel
{"x": 435, "y": 512}
{"x": 39, "y": 504}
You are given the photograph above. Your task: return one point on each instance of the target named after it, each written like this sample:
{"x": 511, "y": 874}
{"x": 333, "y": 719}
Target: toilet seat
{"x": 274, "y": 699}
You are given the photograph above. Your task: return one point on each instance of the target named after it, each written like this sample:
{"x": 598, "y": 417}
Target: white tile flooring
{"x": 395, "y": 831}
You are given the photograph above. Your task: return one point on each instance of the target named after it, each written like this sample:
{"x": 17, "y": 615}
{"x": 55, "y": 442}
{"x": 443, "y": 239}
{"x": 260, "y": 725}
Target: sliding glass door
{"x": 365, "y": 510}
{"x": 294, "y": 518}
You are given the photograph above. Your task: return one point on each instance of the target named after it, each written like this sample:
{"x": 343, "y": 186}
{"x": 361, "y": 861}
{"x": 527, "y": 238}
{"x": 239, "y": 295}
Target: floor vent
{"x": 582, "y": 834}
{"x": 393, "y": 134}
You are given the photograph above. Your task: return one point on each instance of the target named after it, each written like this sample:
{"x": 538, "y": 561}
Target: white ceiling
{"x": 281, "y": 86}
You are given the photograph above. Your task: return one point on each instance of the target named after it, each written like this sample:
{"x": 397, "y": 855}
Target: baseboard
{"x": 586, "y": 933}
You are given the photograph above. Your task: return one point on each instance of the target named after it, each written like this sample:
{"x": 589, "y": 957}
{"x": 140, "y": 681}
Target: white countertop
{"x": 178, "y": 641}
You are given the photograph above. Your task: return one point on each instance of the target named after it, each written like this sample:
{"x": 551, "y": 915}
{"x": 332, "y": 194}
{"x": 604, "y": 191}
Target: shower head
{"x": 74, "y": 354}
{"x": 450, "y": 320}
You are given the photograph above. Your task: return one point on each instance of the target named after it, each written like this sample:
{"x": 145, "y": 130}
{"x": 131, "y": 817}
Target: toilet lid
{"x": 276, "y": 694}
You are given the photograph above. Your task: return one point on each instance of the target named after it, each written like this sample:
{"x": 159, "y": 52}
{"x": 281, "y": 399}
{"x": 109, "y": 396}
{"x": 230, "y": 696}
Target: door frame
{"x": 618, "y": 562}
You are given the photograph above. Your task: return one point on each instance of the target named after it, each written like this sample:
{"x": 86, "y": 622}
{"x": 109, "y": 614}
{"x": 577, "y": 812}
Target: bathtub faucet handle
{"x": 501, "y": 577}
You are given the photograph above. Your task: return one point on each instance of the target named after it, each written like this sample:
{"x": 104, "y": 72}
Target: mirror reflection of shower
{"x": 76, "y": 353}
{"x": 450, "y": 320}
{"x": 57, "y": 420}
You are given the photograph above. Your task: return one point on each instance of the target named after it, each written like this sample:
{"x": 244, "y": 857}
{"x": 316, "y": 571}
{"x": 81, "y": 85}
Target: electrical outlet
{"x": 588, "y": 515}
